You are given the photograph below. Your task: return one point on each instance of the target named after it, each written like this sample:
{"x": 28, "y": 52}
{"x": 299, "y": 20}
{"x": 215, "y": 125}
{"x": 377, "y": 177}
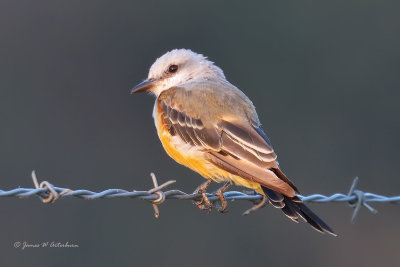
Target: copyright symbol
{"x": 17, "y": 244}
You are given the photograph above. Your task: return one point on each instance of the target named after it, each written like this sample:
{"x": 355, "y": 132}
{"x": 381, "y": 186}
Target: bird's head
{"x": 175, "y": 68}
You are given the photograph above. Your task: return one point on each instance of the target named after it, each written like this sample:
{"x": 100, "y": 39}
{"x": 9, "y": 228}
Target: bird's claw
{"x": 204, "y": 203}
{"x": 256, "y": 206}
{"x": 220, "y": 194}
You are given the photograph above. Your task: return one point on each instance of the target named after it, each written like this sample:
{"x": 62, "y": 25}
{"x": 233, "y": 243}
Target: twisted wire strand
{"x": 49, "y": 193}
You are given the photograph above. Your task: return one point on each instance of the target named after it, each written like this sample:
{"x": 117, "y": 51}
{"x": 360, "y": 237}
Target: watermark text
{"x": 23, "y": 245}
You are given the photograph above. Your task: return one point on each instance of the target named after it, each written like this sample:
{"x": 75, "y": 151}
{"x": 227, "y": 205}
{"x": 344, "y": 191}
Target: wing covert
{"x": 190, "y": 130}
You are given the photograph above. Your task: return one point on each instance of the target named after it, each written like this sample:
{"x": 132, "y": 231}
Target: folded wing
{"x": 234, "y": 146}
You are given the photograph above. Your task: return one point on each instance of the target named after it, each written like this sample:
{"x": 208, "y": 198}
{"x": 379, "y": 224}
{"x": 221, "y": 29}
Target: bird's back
{"x": 211, "y": 101}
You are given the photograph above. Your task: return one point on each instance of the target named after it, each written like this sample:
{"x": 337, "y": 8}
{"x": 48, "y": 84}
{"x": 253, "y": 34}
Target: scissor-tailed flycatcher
{"x": 210, "y": 126}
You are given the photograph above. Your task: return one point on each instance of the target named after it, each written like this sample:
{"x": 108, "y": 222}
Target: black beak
{"x": 143, "y": 86}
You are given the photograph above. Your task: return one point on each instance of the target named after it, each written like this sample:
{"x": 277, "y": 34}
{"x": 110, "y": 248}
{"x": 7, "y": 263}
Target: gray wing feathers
{"x": 190, "y": 130}
{"x": 237, "y": 137}
{"x": 246, "y": 135}
{"x": 236, "y": 146}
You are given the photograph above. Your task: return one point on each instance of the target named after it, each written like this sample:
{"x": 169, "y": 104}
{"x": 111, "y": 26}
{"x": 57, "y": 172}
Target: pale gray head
{"x": 177, "y": 67}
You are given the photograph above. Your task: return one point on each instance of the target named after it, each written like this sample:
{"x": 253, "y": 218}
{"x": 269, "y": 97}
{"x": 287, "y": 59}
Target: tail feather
{"x": 290, "y": 210}
{"x": 276, "y": 204}
{"x": 273, "y": 195}
{"x": 294, "y": 208}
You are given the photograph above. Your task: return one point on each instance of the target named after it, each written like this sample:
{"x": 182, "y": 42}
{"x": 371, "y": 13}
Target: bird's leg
{"x": 204, "y": 203}
{"x": 256, "y": 206}
{"x": 220, "y": 194}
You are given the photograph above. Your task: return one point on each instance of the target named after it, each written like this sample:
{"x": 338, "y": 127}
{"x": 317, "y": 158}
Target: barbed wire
{"x": 49, "y": 194}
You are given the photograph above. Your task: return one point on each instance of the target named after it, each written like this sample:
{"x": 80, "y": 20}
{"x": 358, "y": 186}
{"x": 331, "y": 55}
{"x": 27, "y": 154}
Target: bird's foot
{"x": 256, "y": 206}
{"x": 220, "y": 194}
{"x": 204, "y": 203}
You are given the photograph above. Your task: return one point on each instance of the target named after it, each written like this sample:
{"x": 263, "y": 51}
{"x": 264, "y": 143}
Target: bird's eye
{"x": 172, "y": 68}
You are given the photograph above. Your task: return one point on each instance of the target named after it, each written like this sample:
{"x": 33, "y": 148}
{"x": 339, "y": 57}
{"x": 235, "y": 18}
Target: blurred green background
{"x": 324, "y": 76}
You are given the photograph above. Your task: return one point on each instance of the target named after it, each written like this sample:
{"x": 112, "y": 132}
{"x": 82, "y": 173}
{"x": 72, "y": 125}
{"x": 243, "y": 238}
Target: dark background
{"x": 324, "y": 76}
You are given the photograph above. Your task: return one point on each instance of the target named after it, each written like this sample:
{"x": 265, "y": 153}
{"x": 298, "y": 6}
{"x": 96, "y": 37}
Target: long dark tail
{"x": 294, "y": 208}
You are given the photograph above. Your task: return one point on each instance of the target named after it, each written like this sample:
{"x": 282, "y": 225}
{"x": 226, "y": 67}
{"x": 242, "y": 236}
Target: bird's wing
{"x": 189, "y": 129}
{"x": 232, "y": 143}
{"x": 246, "y": 153}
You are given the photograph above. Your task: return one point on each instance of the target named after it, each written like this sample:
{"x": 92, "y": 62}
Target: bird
{"x": 209, "y": 125}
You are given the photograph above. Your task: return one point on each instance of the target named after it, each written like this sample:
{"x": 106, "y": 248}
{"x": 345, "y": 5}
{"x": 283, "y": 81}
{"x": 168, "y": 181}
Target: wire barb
{"x": 50, "y": 193}
{"x": 157, "y": 190}
{"x": 358, "y": 201}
